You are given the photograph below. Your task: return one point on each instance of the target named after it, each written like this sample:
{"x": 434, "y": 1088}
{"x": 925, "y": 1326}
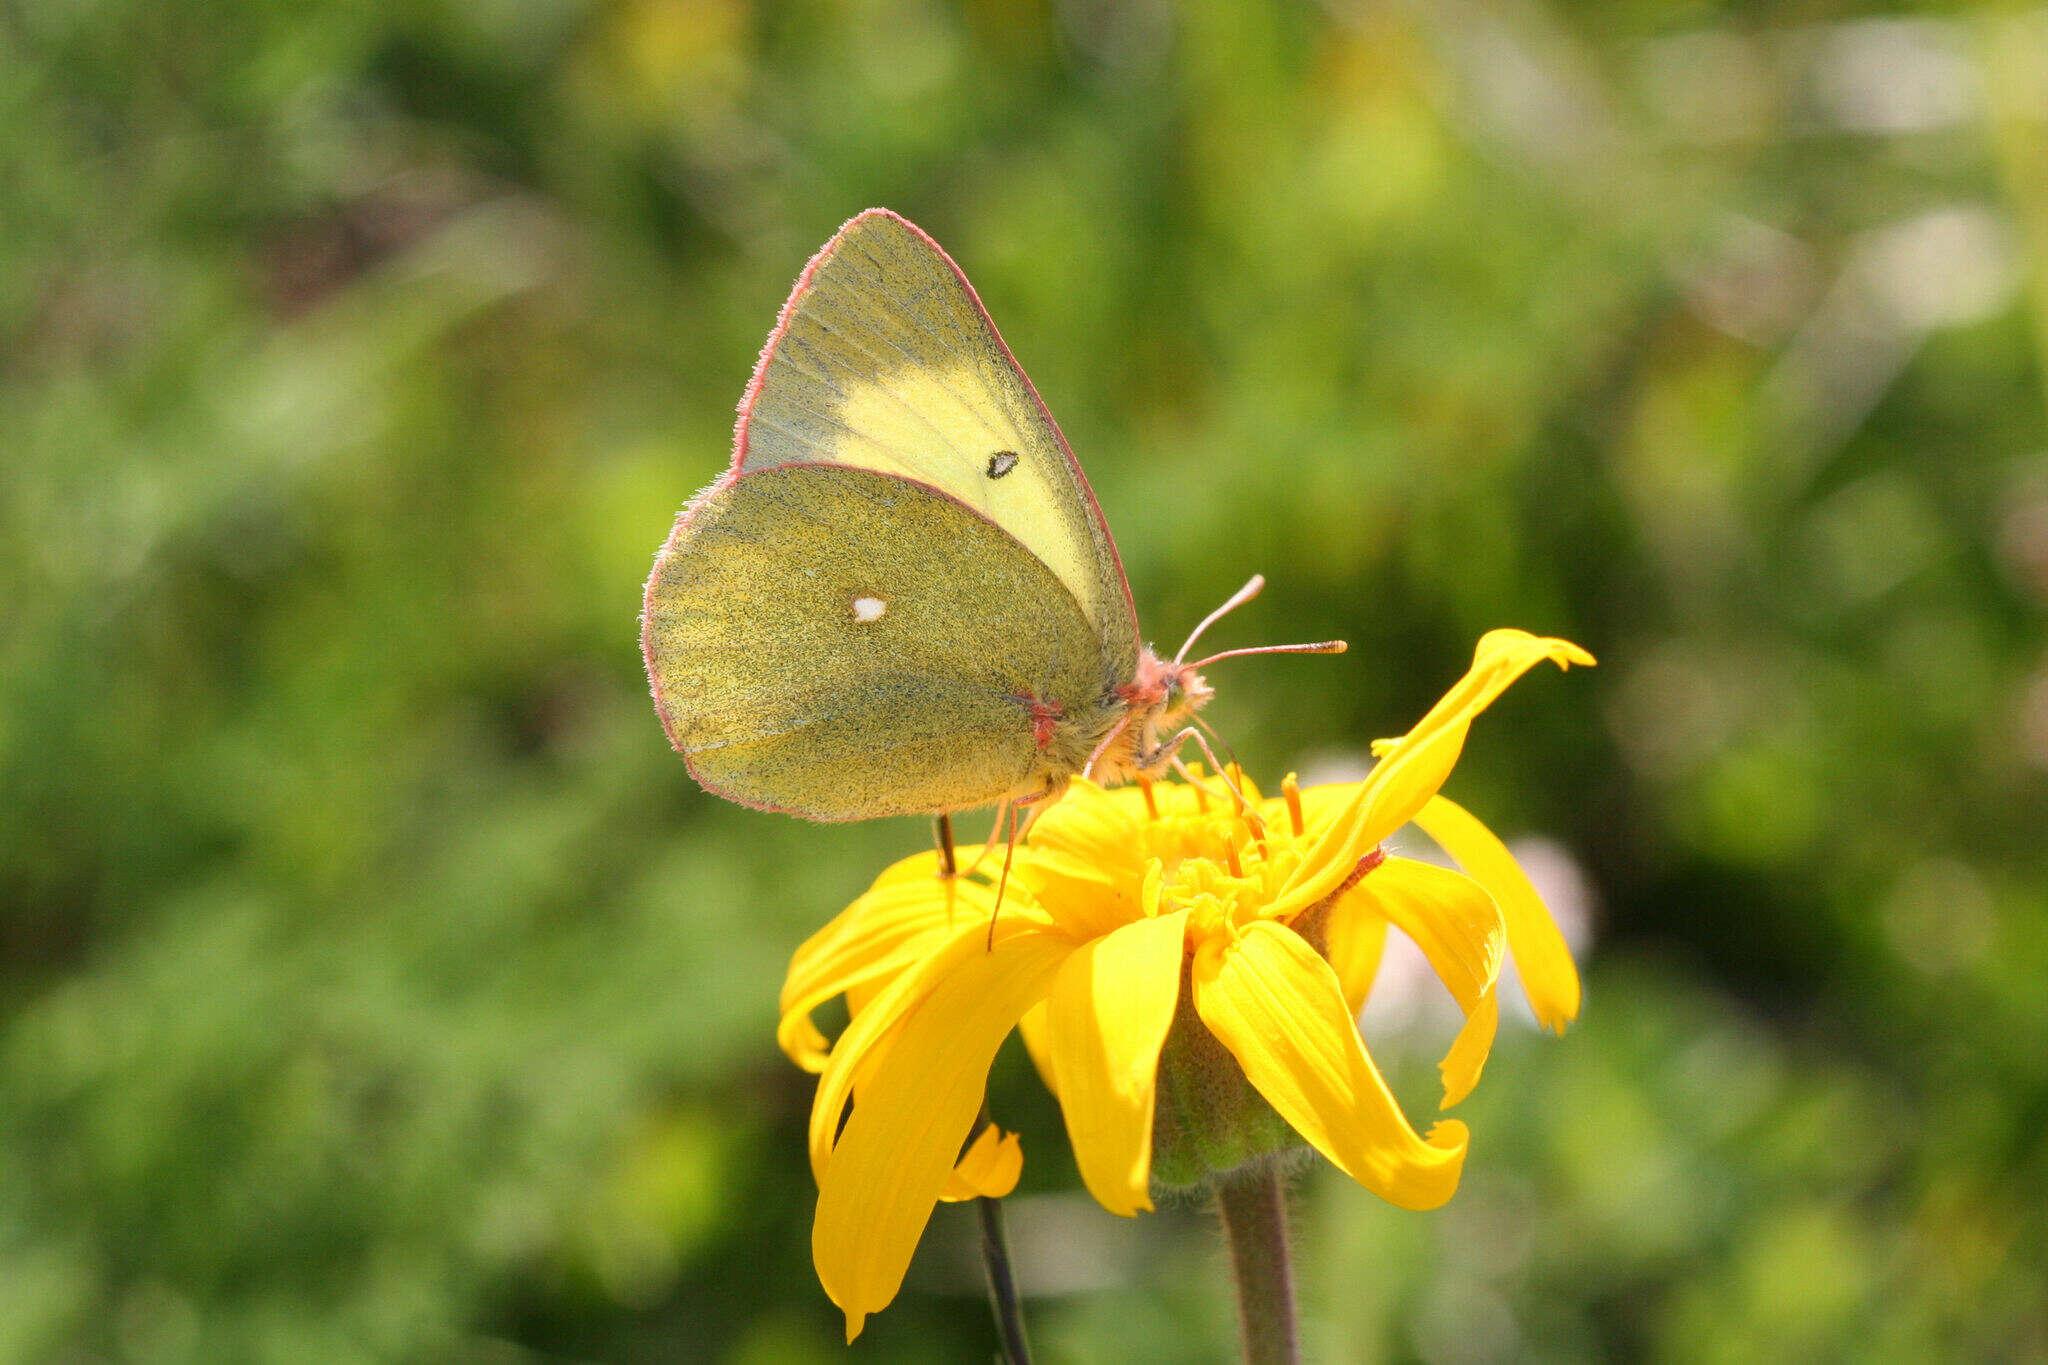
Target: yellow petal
{"x": 1450, "y": 917}
{"x": 1106, "y": 1018}
{"x": 1416, "y": 765}
{"x": 1204, "y": 791}
{"x": 871, "y": 940}
{"x": 1333, "y": 856}
{"x": 800, "y": 1040}
{"x": 885, "y": 1173}
{"x": 1458, "y": 927}
{"x": 918, "y": 868}
{"x": 1280, "y": 1010}
{"x": 1091, "y": 824}
{"x": 1357, "y": 938}
{"x": 988, "y": 1169}
{"x": 1469, "y": 1050}
{"x": 872, "y": 1030}
{"x": 1087, "y": 897}
{"x": 895, "y": 890}
{"x": 1032, "y": 1029}
{"x": 1322, "y": 804}
{"x": 1378, "y": 806}
{"x": 1549, "y": 977}
{"x": 1500, "y": 657}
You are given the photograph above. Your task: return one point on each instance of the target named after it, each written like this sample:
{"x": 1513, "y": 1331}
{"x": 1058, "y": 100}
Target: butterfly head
{"x": 1147, "y": 718}
{"x": 1164, "y": 692}
{"x": 1160, "y": 696}
{"x": 1185, "y": 692}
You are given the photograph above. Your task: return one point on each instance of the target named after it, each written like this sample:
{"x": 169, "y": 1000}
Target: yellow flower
{"x": 1149, "y": 935}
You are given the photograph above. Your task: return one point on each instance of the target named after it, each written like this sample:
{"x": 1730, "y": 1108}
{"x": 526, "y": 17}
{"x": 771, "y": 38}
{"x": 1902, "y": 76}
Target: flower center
{"x": 1101, "y": 859}
{"x": 1220, "y": 868}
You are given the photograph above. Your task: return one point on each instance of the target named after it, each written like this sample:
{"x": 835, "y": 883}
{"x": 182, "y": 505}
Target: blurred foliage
{"x": 374, "y": 985}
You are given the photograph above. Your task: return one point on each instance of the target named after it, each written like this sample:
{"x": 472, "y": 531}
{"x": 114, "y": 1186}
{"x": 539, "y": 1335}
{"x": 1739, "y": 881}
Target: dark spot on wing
{"x": 1001, "y": 463}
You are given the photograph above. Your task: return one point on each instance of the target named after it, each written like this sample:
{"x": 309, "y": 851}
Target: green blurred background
{"x": 376, "y": 986}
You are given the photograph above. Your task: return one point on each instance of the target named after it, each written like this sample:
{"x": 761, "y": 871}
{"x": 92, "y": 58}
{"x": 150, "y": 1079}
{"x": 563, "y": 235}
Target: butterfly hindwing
{"x": 842, "y": 643}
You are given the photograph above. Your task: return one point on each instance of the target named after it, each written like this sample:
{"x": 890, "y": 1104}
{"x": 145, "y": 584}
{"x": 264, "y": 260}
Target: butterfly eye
{"x": 1001, "y": 463}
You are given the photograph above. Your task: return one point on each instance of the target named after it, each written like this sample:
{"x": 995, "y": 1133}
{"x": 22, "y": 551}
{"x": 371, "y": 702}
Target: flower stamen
{"x": 1290, "y": 788}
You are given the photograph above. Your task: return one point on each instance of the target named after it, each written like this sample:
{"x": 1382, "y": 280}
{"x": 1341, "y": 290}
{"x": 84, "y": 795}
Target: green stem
{"x": 1002, "y": 1285}
{"x": 1254, "y": 1210}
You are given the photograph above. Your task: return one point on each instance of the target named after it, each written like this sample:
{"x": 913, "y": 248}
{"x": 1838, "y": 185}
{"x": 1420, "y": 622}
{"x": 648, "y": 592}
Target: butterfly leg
{"x": 986, "y": 844}
{"x": 949, "y": 867}
{"x": 1088, "y": 768}
{"x": 1003, "y": 882}
{"x": 1171, "y": 748}
{"x": 1054, "y": 788}
{"x": 1214, "y": 734}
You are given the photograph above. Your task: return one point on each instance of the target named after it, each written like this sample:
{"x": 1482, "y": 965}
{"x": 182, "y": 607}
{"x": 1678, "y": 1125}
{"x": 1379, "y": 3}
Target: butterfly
{"x": 902, "y": 597}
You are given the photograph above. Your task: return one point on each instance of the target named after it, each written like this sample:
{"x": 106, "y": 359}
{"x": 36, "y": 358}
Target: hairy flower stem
{"x": 1253, "y": 1205}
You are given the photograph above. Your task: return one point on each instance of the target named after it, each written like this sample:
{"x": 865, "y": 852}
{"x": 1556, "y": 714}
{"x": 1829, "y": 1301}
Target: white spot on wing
{"x": 869, "y": 608}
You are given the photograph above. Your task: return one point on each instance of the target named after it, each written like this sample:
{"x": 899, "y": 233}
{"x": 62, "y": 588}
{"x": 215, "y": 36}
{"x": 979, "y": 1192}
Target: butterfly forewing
{"x": 885, "y": 360}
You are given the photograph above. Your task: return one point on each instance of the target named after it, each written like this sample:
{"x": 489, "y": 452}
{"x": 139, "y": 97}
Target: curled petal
{"x": 1549, "y": 977}
{"x": 801, "y": 1041}
{"x": 880, "y": 1180}
{"x": 1469, "y": 1050}
{"x": 988, "y": 1169}
{"x": 1458, "y": 927}
{"x": 1357, "y": 939}
{"x": 1280, "y": 1010}
{"x": 1500, "y": 657}
{"x": 1414, "y": 766}
{"x": 880, "y": 1007}
{"x": 1450, "y": 917}
{"x": 917, "y": 869}
{"x": 1106, "y": 1019}
{"x": 920, "y": 870}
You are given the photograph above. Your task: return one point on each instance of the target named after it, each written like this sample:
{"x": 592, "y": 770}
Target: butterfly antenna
{"x": 1237, "y": 599}
{"x": 1319, "y": 647}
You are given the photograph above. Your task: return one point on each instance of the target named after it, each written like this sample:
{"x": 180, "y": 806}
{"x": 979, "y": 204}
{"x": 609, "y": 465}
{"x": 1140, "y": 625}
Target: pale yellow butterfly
{"x": 902, "y": 597}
